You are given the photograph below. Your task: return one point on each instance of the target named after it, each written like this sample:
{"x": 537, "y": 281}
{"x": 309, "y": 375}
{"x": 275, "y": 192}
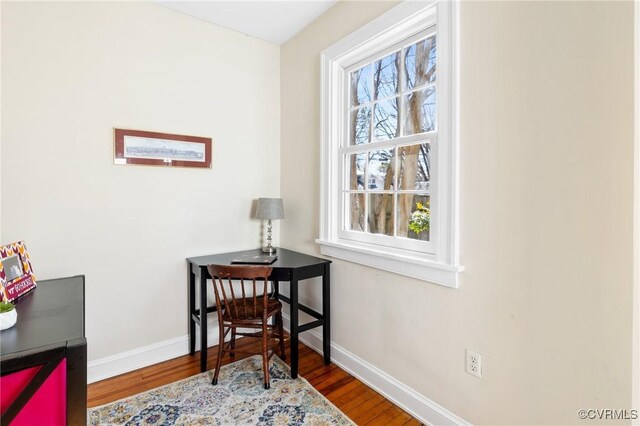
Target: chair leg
{"x": 220, "y": 352}
{"x": 265, "y": 353}
{"x": 283, "y": 354}
{"x": 232, "y": 354}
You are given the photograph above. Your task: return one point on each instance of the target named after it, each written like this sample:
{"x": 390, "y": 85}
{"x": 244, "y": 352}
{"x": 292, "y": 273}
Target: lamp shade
{"x": 270, "y": 208}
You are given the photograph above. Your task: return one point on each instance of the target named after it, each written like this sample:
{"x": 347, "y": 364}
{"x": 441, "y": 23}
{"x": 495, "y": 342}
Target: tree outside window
{"x": 392, "y": 102}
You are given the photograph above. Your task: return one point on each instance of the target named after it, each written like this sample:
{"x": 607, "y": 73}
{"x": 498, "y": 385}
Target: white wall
{"x": 73, "y": 71}
{"x": 1, "y": 127}
{"x": 636, "y": 226}
{"x": 546, "y": 214}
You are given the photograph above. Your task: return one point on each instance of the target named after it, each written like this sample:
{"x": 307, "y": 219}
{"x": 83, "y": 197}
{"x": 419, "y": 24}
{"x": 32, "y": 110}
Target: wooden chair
{"x": 246, "y": 305}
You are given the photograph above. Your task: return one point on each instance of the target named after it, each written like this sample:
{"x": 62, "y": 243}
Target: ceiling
{"x": 272, "y": 21}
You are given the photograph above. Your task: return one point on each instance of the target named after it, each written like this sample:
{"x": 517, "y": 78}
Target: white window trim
{"x": 401, "y": 22}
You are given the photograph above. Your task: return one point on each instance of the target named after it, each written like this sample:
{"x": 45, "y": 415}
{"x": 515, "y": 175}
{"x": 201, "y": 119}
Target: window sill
{"x": 410, "y": 265}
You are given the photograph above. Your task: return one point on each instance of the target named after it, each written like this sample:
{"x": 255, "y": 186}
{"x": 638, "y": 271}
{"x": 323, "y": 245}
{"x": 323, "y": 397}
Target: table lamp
{"x": 270, "y": 209}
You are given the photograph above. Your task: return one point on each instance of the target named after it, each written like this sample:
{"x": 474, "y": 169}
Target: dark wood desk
{"x": 291, "y": 266}
{"x": 49, "y": 333}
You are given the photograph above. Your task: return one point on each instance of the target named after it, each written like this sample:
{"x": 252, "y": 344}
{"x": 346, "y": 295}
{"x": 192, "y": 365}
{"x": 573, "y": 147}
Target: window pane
{"x": 385, "y": 76}
{"x": 380, "y": 175}
{"x": 420, "y": 63}
{"x": 386, "y": 119}
{"x": 361, "y": 86}
{"x": 355, "y": 204}
{"x": 414, "y": 216}
{"x": 381, "y": 214}
{"x": 415, "y": 167}
{"x": 360, "y": 125}
{"x": 421, "y": 111}
{"x": 355, "y": 169}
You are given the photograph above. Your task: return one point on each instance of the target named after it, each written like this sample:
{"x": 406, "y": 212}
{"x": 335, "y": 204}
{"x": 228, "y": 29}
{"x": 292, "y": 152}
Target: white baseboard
{"x": 145, "y": 356}
{"x": 124, "y": 362}
{"x": 419, "y": 406}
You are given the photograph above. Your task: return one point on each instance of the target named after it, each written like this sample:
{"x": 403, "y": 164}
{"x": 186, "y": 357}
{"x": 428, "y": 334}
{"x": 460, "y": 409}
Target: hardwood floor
{"x": 358, "y": 401}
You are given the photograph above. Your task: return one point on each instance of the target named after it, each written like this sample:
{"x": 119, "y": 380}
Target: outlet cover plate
{"x": 473, "y": 363}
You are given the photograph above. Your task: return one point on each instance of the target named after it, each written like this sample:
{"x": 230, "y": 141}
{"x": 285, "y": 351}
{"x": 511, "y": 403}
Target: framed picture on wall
{"x": 161, "y": 149}
{"x": 16, "y": 273}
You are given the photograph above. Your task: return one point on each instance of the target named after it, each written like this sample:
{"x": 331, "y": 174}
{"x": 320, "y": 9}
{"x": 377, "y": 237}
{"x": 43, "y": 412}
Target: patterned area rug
{"x": 239, "y": 398}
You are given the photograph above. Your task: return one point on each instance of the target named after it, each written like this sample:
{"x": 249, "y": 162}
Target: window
{"x": 391, "y": 125}
{"x": 389, "y": 148}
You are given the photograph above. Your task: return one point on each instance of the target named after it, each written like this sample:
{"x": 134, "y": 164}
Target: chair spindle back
{"x": 240, "y": 307}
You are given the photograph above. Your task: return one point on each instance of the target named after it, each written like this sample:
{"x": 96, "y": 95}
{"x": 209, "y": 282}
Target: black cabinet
{"x": 43, "y": 363}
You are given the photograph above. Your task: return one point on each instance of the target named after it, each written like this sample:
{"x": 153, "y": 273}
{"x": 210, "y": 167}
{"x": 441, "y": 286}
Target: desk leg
{"x": 276, "y": 294}
{"x": 326, "y": 314}
{"x": 191, "y": 289}
{"x": 294, "y": 327}
{"x": 203, "y": 319}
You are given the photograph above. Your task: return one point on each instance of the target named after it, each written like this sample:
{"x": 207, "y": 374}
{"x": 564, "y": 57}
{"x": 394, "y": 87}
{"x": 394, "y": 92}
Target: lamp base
{"x": 269, "y": 249}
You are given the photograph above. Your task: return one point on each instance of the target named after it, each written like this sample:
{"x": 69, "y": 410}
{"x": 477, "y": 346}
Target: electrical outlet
{"x": 474, "y": 363}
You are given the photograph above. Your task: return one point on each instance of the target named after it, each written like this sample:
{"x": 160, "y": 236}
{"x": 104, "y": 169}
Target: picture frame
{"x": 16, "y": 272}
{"x": 161, "y": 149}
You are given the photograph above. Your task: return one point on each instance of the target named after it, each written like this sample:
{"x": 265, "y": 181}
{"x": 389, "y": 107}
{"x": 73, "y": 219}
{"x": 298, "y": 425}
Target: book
{"x": 250, "y": 259}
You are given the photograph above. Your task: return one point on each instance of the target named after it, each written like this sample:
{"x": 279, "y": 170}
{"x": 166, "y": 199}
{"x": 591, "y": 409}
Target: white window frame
{"x": 347, "y": 148}
{"x": 440, "y": 262}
